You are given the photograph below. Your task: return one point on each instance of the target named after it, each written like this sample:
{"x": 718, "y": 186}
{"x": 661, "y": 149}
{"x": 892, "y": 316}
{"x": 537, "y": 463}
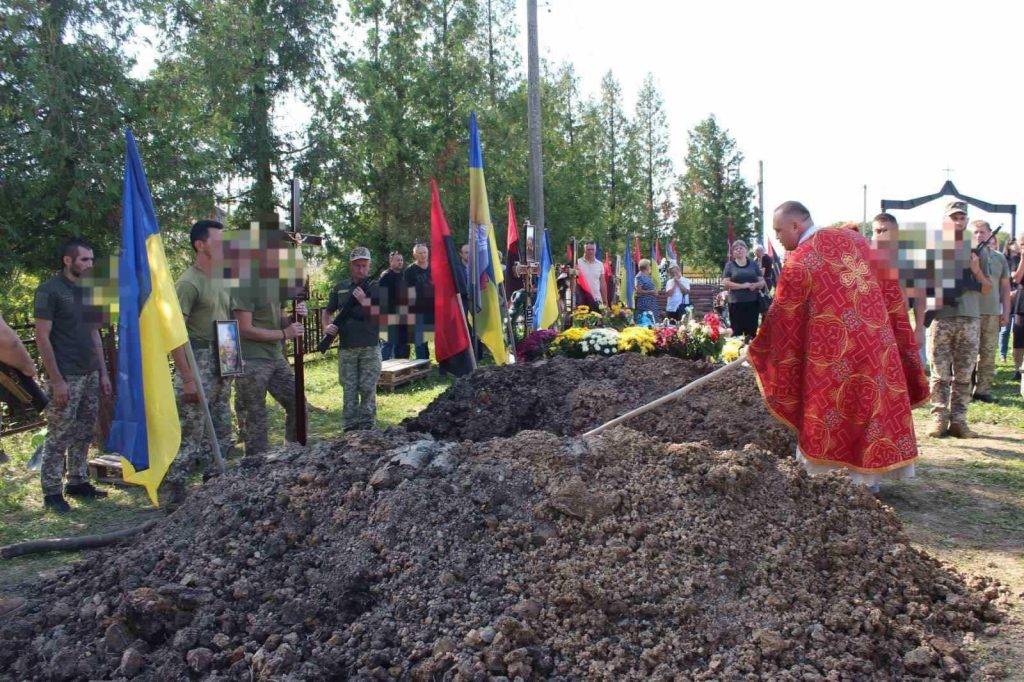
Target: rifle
{"x": 20, "y": 390}
{"x": 344, "y": 312}
{"x": 929, "y": 315}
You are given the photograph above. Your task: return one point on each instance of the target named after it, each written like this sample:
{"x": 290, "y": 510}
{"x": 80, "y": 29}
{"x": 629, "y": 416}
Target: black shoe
{"x": 84, "y": 490}
{"x": 984, "y": 398}
{"x": 57, "y": 503}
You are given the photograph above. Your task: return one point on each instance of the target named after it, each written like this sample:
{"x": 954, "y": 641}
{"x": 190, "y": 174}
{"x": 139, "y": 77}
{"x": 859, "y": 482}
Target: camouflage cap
{"x": 359, "y": 253}
{"x": 955, "y": 207}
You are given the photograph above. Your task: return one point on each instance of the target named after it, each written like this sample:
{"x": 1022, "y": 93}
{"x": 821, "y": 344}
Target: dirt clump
{"x": 393, "y": 556}
{"x": 568, "y": 396}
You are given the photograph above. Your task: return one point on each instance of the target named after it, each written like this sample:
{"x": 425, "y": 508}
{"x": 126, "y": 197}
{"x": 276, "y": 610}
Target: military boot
{"x": 57, "y": 503}
{"x": 84, "y": 490}
{"x": 938, "y": 430}
{"x": 961, "y": 430}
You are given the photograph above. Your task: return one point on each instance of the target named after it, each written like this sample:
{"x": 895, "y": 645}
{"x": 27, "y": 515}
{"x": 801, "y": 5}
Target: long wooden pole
{"x": 533, "y": 118}
{"x": 678, "y": 393}
{"x": 211, "y": 432}
{"x": 300, "y": 341}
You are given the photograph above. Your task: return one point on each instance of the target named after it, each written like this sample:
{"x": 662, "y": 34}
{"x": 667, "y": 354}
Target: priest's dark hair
{"x": 200, "y": 231}
{"x": 793, "y": 208}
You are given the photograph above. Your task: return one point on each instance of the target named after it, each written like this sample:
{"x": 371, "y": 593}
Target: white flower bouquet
{"x": 601, "y": 341}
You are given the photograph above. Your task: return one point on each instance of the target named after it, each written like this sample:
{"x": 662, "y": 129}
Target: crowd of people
{"x": 960, "y": 341}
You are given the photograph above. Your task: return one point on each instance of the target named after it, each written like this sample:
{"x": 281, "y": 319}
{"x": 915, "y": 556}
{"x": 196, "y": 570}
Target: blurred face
{"x": 464, "y": 252}
{"x": 81, "y": 263}
{"x": 590, "y": 251}
{"x": 673, "y": 271}
{"x": 213, "y": 246}
{"x": 958, "y": 221}
{"x": 739, "y": 252}
{"x": 1014, "y": 248}
{"x": 981, "y": 233}
{"x": 359, "y": 268}
{"x": 883, "y": 230}
{"x": 397, "y": 262}
{"x": 420, "y": 254}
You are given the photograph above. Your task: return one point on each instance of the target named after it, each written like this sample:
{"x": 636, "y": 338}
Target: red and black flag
{"x": 514, "y": 281}
{"x": 451, "y": 334}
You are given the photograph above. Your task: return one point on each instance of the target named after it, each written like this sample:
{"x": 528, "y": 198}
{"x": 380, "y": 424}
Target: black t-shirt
{"x": 62, "y": 303}
{"x": 419, "y": 279}
{"x": 358, "y": 329}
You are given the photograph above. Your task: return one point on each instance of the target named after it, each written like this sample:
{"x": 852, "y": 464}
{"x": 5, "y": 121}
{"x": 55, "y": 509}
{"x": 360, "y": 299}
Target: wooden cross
{"x": 299, "y": 240}
{"x": 948, "y": 172}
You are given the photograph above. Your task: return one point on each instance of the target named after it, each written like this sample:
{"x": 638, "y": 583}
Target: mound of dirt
{"x": 568, "y": 396}
{"x": 391, "y": 556}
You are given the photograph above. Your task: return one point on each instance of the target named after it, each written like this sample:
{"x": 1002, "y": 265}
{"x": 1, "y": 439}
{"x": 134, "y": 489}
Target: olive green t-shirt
{"x": 266, "y": 314}
{"x": 998, "y": 270}
{"x": 202, "y": 302}
{"x": 969, "y": 303}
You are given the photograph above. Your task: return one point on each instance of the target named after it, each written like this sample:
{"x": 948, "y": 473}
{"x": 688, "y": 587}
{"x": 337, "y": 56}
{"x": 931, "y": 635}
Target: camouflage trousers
{"x": 358, "y": 371}
{"x": 988, "y": 339}
{"x": 195, "y": 452}
{"x": 263, "y": 376}
{"x": 952, "y": 354}
{"x": 69, "y": 431}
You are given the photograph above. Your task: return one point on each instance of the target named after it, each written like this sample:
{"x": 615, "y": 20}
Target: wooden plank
{"x": 401, "y": 371}
{"x": 107, "y": 469}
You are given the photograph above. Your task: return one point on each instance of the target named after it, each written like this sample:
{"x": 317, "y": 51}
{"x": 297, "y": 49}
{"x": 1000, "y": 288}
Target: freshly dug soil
{"x": 386, "y": 556}
{"x": 567, "y": 396}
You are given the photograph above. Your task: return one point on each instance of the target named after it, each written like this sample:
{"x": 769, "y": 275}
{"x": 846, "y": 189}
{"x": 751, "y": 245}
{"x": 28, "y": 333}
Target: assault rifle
{"x": 20, "y": 390}
{"x": 344, "y": 312}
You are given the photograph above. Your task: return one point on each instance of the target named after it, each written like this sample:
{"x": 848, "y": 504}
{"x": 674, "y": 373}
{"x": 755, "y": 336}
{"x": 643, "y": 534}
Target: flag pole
{"x": 207, "y": 417}
{"x": 474, "y": 282}
{"x": 465, "y": 325}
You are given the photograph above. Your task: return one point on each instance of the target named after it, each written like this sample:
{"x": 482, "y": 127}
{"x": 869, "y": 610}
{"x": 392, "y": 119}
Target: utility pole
{"x": 533, "y": 119}
{"x": 760, "y": 202}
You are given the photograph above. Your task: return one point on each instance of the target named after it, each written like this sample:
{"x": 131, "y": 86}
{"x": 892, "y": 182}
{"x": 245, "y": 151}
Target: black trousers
{"x": 744, "y": 318}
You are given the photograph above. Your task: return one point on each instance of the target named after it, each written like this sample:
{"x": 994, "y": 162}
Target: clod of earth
{"x": 394, "y": 555}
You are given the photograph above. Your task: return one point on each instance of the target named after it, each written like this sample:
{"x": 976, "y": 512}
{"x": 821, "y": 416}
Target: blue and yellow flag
{"x": 487, "y": 273}
{"x": 545, "y": 308}
{"x": 655, "y": 260}
{"x": 145, "y": 430}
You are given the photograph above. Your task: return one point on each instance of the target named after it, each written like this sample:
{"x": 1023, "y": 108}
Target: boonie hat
{"x": 955, "y": 207}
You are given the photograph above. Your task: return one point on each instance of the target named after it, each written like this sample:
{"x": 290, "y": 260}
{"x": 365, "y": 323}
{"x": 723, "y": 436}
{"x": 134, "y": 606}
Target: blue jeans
{"x": 1004, "y": 338}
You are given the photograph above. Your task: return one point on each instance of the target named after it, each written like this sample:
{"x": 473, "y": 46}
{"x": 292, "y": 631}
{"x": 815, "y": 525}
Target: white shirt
{"x": 593, "y": 273}
{"x": 806, "y": 235}
{"x": 676, "y": 297}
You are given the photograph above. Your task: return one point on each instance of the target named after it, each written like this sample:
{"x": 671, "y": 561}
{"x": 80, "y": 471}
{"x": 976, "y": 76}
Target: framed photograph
{"x": 229, "y": 348}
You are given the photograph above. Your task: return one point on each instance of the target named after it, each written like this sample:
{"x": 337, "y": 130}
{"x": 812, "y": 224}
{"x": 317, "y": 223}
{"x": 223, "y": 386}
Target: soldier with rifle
{"x": 357, "y": 327}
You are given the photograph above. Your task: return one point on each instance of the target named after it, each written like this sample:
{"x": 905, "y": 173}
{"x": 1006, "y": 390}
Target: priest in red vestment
{"x": 836, "y": 359}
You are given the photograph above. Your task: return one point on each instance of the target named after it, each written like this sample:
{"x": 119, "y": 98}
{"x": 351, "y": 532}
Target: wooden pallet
{"x": 107, "y": 469}
{"x": 394, "y": 373}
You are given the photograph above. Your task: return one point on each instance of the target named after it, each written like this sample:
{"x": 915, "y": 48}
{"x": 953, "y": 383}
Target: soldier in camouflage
{"x": 995, "y": 310}
{"x": 72, "y": 355}
{"x": 953, "y": 339}
{"x": 263, "y": 330}
{"x": 14, "y": 354}
{"x": 204, "y": 301}
{"x": 359, "y": 357}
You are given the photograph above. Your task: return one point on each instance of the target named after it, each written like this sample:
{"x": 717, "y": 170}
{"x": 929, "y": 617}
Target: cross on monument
{"x": 948, "y": 172}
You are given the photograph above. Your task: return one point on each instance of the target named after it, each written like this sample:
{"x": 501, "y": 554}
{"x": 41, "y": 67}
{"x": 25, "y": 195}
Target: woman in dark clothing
{"x": 743, "y": 280}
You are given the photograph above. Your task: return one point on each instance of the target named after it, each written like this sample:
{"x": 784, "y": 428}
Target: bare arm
{"x": 43, "y": 328}
{"x": 97, "y": 346}
{"x": 1004, "y": 299}
{"x": 1018, "y": 274}
{"x": 13, "y": 351}
{"x": 253, "y": 333}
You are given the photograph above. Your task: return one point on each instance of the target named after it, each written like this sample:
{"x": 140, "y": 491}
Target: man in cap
{"x": 358, "y": 346}
{"x": 953, "y": 335}
{"x": 995, "y": 309}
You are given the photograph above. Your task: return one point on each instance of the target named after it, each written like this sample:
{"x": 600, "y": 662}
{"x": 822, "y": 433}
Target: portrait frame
{"x": 229, "y": 348}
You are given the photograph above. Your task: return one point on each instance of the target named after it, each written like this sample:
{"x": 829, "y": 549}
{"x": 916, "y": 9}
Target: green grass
{"x": 1008, "y": 410}
{"x": 22, "y": 516}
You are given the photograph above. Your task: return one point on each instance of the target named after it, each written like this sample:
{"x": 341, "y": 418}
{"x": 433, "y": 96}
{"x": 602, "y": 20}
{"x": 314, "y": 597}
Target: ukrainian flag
{"x": 145, "y": 430}
{"x": 545, "y": 308}
{"x": 655, "y": 272}
{"x": 488, "y": 275}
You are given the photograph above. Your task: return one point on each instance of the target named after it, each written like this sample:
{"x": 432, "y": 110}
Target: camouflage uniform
{"x": 195, "y": 449}
{"x": 69, "y": 433}
{"x": 952, "y": 352}
{"x": 358, "y": 371}
{"x": 263, "y": 375}
{"x": 988, "y": 340}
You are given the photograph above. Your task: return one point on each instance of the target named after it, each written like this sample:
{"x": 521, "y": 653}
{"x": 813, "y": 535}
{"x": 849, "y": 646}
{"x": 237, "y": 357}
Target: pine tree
{"x": 711, "y": 194}
{"x": 652, "y": 165}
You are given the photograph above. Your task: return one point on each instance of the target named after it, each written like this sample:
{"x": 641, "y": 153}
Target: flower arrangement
{"x": 535, "y": 345}
{"x": 568, "y": 343}
{"x": 601, "y": 341}
{"x": 637, "y": 339}
{"x": 732, "y": 348}
{"x": 618, "y": 317}
{"x": 583, "y": 316}
{"x": 668, "y": 342}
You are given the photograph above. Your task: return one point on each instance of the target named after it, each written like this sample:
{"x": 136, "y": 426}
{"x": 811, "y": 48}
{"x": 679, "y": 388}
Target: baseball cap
{"x": 955, "y": 207}
{"x": 359, "y": 253}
